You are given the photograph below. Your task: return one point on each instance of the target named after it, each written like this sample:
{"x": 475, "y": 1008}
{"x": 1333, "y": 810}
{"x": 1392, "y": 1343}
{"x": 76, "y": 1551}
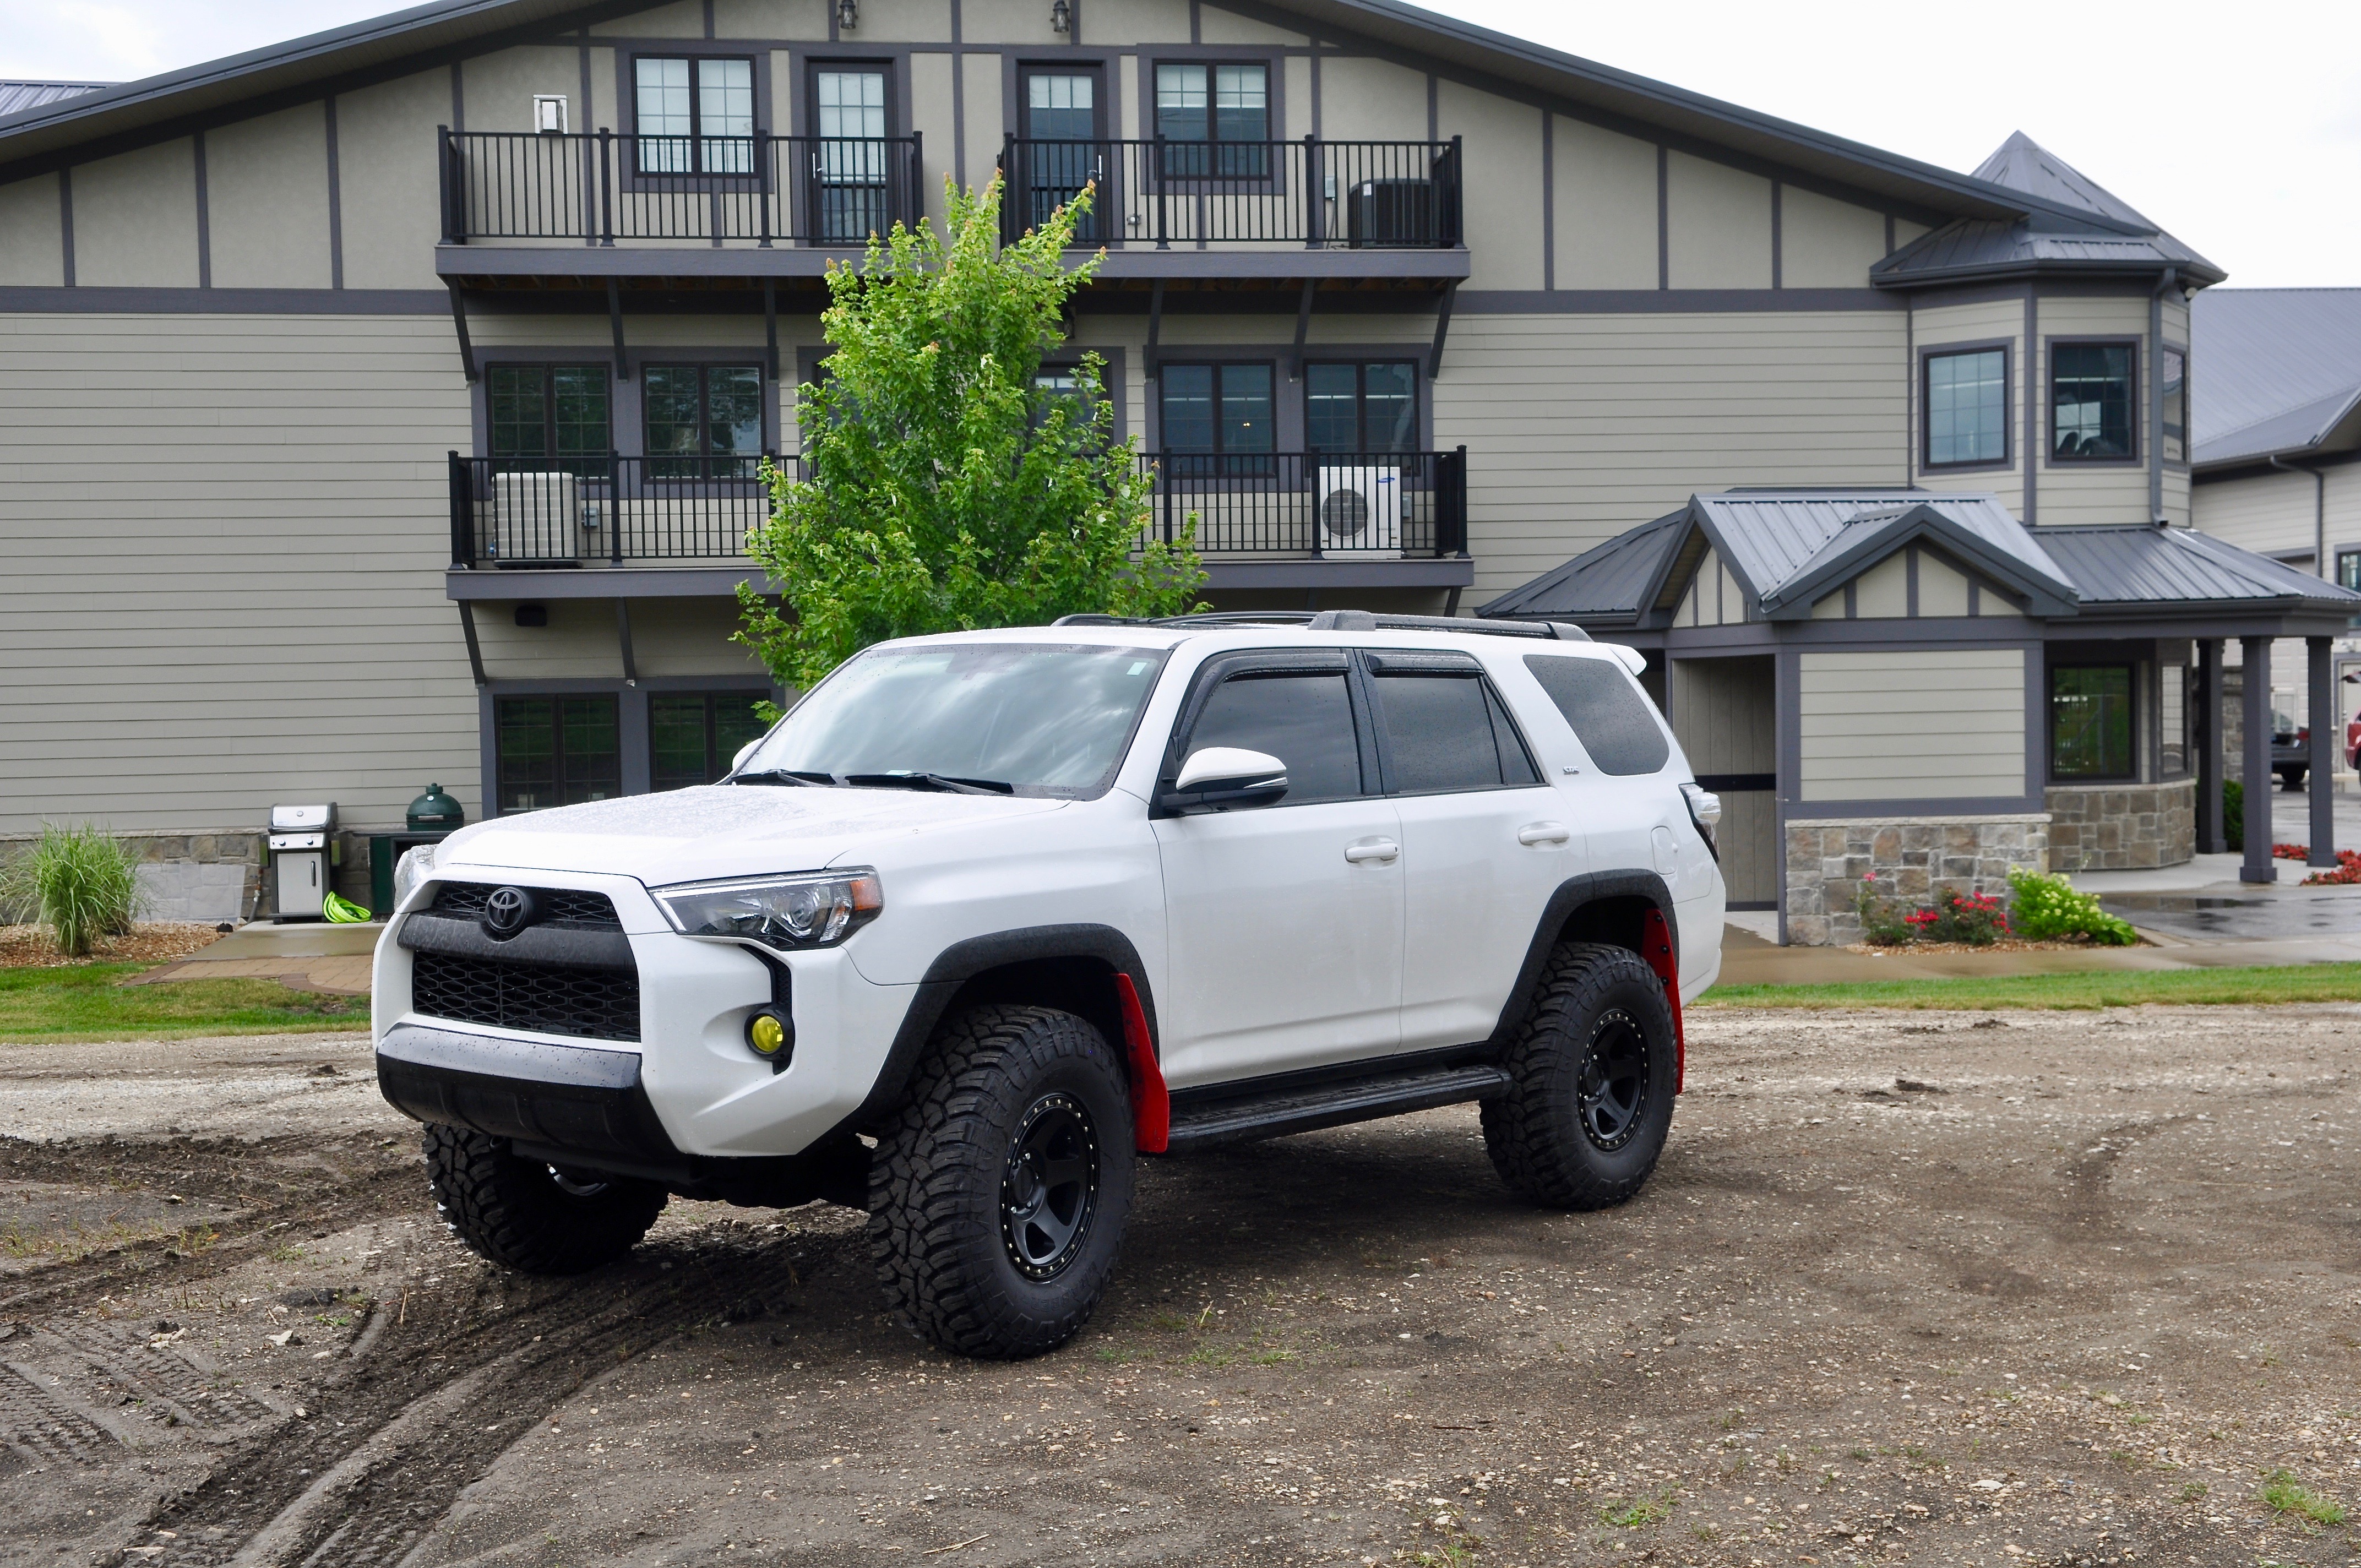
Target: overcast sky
{"x": 2238, "y": 129}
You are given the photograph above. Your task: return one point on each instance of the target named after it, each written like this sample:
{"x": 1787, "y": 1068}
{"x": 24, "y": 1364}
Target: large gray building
{"x": 382, "y": 406}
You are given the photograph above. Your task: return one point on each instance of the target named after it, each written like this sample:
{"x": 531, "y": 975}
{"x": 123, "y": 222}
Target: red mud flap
{"x": 1151, "y": 1103}
{"x": 1656, "y": 947}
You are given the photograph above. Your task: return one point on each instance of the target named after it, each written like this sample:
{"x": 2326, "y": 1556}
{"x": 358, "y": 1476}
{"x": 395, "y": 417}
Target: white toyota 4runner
{"x": 990, "y": 913}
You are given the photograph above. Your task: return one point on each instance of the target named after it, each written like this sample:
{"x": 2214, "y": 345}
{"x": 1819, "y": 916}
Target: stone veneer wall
{"x": 2122, "y": 828}
{"x": 1912, "y": 857}
{"x": 183, "y": 876}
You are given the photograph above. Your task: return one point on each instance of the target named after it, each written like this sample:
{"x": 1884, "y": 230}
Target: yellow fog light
{"x": 771, "y": 1036}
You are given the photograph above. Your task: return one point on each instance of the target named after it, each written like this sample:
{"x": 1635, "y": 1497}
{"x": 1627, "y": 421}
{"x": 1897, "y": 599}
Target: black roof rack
{"x": 1344, "y": 620}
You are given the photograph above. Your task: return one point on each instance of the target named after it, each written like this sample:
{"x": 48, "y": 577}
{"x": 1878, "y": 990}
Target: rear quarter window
{"x": 1610, "y": 715}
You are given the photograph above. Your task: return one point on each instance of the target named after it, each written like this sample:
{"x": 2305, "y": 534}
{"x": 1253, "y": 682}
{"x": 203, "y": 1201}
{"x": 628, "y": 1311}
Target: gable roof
{"x": 15, "y": 97}
{"x": 2276, "y": 371}
{"x": 2081, "y": 227}
{"x": 41, "y": 138}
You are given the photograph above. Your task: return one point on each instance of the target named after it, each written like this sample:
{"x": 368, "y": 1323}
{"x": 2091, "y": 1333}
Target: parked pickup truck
{"x": 988, "y": 916}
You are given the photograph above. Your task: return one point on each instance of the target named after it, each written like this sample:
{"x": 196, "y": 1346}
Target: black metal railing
{"x": 605, "y": 189}
{"x": 578, "y": 511}
{"x": 1163, "y": 194}
{"x": 572, "y": 511}
{"x": 1350, "y": 505}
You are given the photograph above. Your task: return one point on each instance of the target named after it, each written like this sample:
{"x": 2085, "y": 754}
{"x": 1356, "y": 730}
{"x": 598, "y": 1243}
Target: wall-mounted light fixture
{"x": 1062, "y": 16}
{"x": 848, "y": 15}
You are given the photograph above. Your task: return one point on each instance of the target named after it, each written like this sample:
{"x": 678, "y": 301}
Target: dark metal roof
{"x": 2274, "y": 371}
{"x": 1612, "y": 582}
{"x": 2139, "y": 565}
{"x": 389, "y": 45}
{"x": 17, "y": 96}
{"x": 1772, "y": 538}
{"x": 2087, "y": 228}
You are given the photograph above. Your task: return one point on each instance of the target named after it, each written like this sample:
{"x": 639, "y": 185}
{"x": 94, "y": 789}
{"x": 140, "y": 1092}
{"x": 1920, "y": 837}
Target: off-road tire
{"x": 939, "y": 1224}
{"x": 1590, "y": 997}
{"x": 517, "y": 1213}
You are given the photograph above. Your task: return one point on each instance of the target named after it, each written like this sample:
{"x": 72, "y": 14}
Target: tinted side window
{"x": 1609, "y": 715}
{"x": 1305, "y": 721}
{"x": 1440, "y": 728}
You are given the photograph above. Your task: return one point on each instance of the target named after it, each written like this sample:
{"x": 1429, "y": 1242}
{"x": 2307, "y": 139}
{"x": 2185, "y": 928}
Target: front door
{"x": 1064, "y": 147}
{"x": 1285, "y": 921}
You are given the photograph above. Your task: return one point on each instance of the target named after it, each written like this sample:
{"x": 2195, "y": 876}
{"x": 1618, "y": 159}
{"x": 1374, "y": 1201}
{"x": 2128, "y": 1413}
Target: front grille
{"x": 549, "y": 998}
{"x": 560, "y": 906}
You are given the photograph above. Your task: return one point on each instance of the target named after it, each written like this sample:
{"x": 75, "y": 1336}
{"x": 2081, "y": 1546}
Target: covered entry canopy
{"x": 1855, "y": 654}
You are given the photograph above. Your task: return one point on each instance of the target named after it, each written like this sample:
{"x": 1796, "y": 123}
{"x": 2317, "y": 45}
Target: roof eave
{"x": 2203, "y": 273}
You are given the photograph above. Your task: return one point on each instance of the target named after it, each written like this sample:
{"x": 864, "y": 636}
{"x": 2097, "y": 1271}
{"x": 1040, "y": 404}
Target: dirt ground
{"x": 1908, "y": 1287}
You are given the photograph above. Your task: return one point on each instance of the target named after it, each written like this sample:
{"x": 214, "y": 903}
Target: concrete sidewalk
{"x": 334, "y": 959}
{"x": 1747, "y": 959}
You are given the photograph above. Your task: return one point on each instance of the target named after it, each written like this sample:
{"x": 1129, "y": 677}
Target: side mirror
{"x": 744, "y": 751}
{"x": 1227, "y": 776}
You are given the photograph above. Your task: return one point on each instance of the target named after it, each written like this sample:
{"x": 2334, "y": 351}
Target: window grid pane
{"x": 1246, "y": 424}
{"x": 1390, "y": 408}
{"x": 734, "y": 419}
{"x": 517, "y": 399}
{"x": 2091, "y": 722}
{"x": 590, "y": 761}
{"x": 671, "y": 396}
{"x": 1187, "y": 395}
{"x": 527, "y": 740}
{"x": 725, "y": 104}
{"x": 580, "y": 410}
{"x": 2091, "y": 400}
{"x": 1332, "y": 417}
{"x": 678, "y": 744}
{"x": 1967, "y": 408}
{"x": 664, "y": 109}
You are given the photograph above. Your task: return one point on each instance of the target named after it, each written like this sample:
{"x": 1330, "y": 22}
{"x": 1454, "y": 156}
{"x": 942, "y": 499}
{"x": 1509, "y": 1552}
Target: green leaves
{"x": 946, "y": 492}
{"x": 2050, "y": 906}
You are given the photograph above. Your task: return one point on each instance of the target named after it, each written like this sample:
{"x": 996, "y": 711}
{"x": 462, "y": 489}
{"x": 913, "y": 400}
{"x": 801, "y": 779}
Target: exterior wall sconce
{"x": 848, "y": 14}
{"x": 1062, "y": 16}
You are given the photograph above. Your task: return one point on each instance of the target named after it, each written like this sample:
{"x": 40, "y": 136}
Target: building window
{"x": 704, "y": 422}
{"x": 1967, "y": 408}
{"x": 2176, "y": 406}
{"x": 696, "y": 116}
{"x": 2091, "y": 722}
{"x": 2349, "y": 569}
{"x": 557, "y": 751}
{"x": 2091, "y": 388}
{"x": 547, "y": 411}
{"x": 1223, "y": 409}
{"x": 1214, "y": 119}
{"x": 850, "y": 169}
{"x": 693, "y": 736}
{"x": 1361, "y": 408}
{"x": 2172, "y": 722}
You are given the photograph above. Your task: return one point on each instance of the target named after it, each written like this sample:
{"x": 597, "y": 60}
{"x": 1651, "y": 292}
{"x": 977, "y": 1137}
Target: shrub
{"x": 78, "y": 881}
{"x": 2233, "y": 815}
{"x": 1975, "y": 919}
{"x": 1883, "y": 924}
{"x": 2048, "y": 907}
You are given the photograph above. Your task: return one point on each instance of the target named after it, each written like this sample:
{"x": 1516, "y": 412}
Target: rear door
{"x": 1284, "y": 921}
{"x": 1484, "y": 840}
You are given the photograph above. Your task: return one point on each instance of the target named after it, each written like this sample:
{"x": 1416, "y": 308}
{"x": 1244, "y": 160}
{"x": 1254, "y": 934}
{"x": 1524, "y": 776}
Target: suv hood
{"x": 722, "y": 830}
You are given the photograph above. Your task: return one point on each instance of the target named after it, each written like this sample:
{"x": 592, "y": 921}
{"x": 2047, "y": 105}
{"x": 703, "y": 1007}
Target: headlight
{"x": 410, "y": 871}
{"x": 817, "y": 909}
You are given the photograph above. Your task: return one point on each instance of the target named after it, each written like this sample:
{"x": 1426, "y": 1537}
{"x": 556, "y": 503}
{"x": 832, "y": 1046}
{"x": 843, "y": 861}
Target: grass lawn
{"x": 89, "y": 1002}
{"x": 2189, "y": 987}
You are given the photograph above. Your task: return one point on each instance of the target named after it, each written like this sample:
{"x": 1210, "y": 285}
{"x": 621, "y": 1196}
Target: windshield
{"x": 1039, "y": 719}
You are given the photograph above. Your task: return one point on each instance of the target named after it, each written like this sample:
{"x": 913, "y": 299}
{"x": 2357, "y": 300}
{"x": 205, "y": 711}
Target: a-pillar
{"x": 2211, "y": 832}
{"x": 2322, "y": 774}
{"x": 2255, "y": 697}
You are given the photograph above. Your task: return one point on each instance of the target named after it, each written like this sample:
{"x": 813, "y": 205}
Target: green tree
{"x": 946, "y": 492}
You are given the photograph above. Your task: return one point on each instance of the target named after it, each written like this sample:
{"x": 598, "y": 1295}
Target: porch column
{"x": 2257, "y": 696}
{"x": 2211, "y": 839}
{"x": 2327, "y": 737}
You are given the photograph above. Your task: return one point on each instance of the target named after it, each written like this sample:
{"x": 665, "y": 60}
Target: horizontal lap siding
{"x": 225, "y": 538}
{"x": 1899, "y": 726}
{"x": 1581, "y": 426}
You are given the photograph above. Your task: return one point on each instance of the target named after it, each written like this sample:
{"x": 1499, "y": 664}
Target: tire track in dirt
{"x": 364, "y": 1473}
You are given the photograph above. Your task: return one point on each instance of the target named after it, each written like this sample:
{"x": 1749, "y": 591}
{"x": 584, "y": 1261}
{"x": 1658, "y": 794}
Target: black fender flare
{"x": 965, "y": 960}
{"x": 1569, "y": 897}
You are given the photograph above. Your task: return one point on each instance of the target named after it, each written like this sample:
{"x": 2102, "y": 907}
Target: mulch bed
{"x": 151, "y": 942}
{"x": 2006, "y": 945}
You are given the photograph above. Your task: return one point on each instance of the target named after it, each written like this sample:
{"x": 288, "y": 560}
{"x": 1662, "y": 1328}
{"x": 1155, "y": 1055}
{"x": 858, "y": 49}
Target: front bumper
{"x": 563, "y": 1097}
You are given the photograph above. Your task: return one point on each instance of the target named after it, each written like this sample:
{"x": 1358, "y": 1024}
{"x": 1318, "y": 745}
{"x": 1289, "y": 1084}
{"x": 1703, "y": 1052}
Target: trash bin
{"x": 303, "y": 860}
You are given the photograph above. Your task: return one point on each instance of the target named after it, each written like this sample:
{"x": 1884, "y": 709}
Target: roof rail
{"x": 1343, "y": 621}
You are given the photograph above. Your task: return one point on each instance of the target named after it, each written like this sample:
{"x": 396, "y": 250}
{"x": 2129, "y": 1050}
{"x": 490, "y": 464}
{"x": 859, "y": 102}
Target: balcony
{"x": 1264, "y": 519}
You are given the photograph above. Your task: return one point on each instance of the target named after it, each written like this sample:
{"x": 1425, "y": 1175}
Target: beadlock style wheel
{"x": 1612, "y": 1087}
{"x": 1050, "y": 1189}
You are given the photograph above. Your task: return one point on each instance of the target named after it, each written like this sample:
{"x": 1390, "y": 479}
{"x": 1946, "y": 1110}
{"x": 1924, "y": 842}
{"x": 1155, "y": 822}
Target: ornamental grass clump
{"x": 2050, "y": 909}
{"x": 79, "y": 883}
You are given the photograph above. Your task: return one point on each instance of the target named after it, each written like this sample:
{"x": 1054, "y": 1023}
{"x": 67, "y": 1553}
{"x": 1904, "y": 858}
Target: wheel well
{"x": 1085, "y": 987}
{"x": 1619, "y": 921}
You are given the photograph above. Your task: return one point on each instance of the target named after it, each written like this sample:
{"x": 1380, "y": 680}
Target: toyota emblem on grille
{"x": 508, "y": 911}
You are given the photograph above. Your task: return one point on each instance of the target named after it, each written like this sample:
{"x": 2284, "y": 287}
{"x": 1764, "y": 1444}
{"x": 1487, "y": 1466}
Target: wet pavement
{"x": 2261, "y": 913}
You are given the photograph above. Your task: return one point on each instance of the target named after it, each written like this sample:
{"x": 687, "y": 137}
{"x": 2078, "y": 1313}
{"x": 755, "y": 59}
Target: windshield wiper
{"x": 901, "y": 779}
{"x": 784, "y": 776}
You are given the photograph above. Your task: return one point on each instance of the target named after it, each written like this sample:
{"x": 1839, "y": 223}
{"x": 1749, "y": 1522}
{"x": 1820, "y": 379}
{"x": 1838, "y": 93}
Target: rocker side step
{"x": 1242, "y": 1118}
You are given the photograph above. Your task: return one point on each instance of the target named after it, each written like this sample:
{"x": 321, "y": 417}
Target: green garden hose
{"x": 343, "y": 911}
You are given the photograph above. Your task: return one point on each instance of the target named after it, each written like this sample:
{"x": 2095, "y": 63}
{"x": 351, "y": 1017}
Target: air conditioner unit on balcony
{"x": 1391, "y": 212}
{"x": 535, "y": 518}
{"x": 1360, "y": 513}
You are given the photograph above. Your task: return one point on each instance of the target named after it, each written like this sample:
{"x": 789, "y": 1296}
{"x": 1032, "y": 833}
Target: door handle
{"x": 1381, "y": 850}
{"x": 1544, "y": 833}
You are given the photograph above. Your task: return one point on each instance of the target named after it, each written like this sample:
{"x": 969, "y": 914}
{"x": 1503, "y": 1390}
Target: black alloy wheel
{"x": 1049, "y": 1189}
{"x": 1612, "y": 1087}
